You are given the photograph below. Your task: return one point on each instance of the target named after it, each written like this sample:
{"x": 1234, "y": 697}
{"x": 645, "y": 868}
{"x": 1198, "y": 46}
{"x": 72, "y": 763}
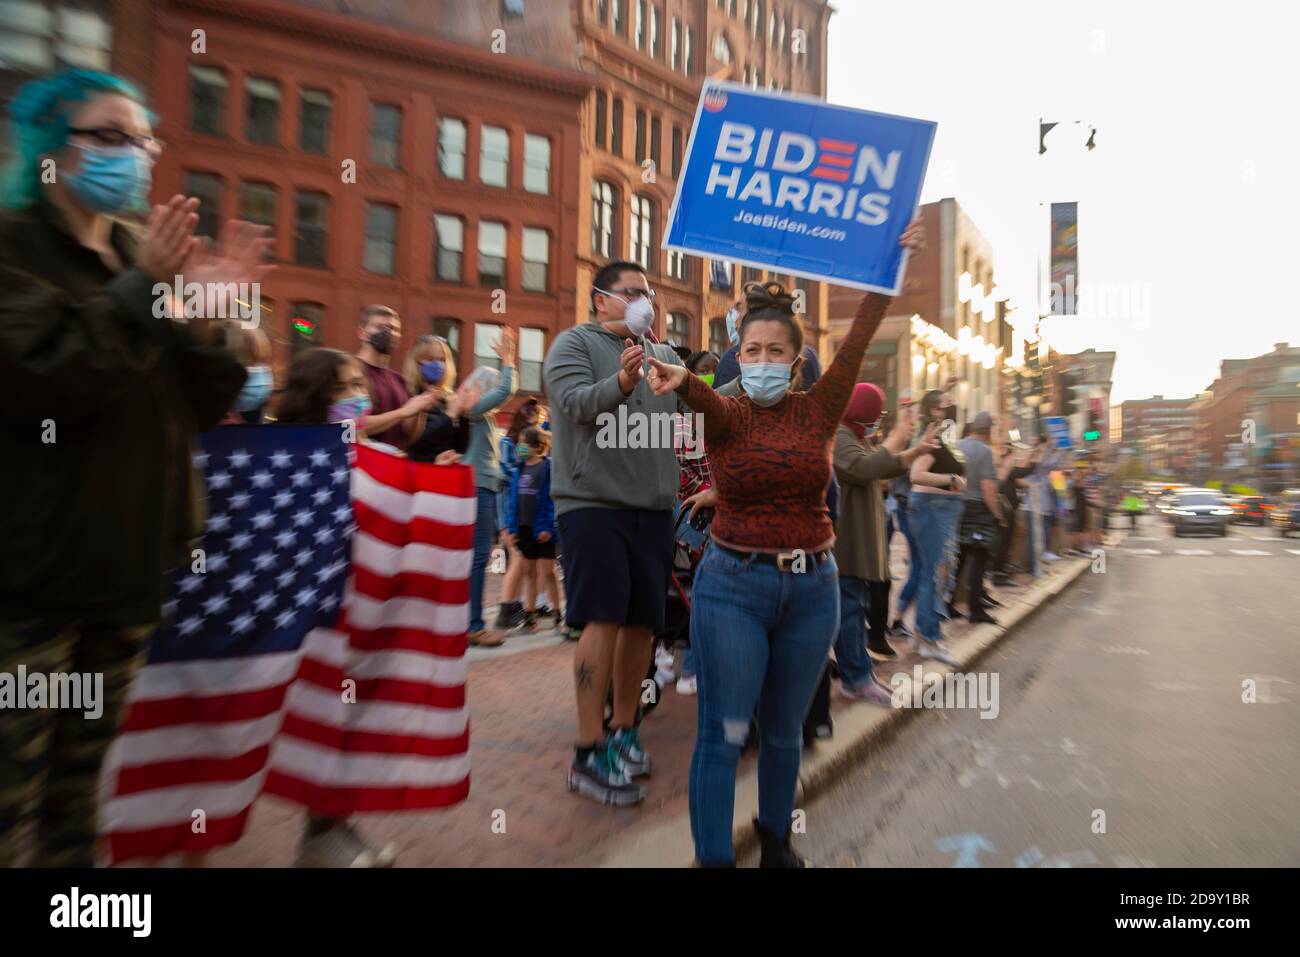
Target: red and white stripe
{"x": 367, "y": 716}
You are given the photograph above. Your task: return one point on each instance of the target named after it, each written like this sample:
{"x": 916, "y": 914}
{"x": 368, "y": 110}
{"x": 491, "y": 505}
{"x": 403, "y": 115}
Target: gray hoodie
{"x": 581, "y": 377}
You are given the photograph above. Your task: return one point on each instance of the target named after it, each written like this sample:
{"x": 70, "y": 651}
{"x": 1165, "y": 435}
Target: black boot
{"x": 776, "y": 851}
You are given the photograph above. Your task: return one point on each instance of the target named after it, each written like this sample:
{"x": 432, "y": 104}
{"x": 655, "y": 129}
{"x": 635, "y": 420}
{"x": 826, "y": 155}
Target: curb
{"x": 858, "y": 732}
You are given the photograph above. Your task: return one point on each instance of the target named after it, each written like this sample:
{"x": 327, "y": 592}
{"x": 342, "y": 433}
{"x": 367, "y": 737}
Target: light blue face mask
{"x": 112, "y": 179}
{"x": 256, "y": 390}
{"x": 765, "y": 382}
{"x": 733, "y": 325}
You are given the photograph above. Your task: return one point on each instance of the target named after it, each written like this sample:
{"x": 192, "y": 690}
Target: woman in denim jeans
{"x": 765, "y": 608}
{"x": 934, "y": 509}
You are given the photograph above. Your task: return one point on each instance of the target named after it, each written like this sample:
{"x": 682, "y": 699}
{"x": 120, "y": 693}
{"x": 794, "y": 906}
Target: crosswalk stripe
{"x": 1143, "y": 551}
{"x": 1194, "y": 551}
{"x": 1294, "y": 551}
{"x": 1247, "y": 551}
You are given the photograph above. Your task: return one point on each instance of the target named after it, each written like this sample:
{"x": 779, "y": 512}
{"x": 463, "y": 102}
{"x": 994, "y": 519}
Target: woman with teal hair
{"x": 104, "y": 396}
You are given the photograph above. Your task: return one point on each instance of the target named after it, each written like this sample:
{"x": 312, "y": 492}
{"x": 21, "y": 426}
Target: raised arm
{"x": 854, "y": 465}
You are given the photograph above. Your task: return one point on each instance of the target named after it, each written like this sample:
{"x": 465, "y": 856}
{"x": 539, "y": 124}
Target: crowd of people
{"x": 802, "y": 479}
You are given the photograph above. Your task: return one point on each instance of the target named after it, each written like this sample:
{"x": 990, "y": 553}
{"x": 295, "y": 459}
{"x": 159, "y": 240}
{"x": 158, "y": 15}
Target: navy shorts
{"x": 616, "y": 565}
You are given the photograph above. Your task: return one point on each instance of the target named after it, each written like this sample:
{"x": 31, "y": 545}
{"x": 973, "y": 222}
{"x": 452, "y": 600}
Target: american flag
{"x": 314, "y": 649}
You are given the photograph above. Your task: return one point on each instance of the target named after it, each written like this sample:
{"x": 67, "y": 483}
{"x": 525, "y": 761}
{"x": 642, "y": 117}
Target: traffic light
{"x": 1092, "y": 424}
{"x": 1069, "y": 398}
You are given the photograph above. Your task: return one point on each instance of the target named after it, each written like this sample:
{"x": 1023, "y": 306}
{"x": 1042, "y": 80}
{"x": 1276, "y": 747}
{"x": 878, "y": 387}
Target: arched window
{"x": 679, "y": 329}
{"x": 641, "y": 248}
{"x": 718, "y": 341}
{"x": 721, "y": 49}
{"x": 602, "y": 219}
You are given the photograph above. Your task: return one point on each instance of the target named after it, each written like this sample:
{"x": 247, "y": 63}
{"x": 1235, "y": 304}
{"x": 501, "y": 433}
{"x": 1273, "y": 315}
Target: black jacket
{"x": 99, "y": 496}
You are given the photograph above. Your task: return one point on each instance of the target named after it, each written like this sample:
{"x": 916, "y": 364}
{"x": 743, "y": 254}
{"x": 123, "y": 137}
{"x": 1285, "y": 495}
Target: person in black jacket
{"x": 105, "y": 395}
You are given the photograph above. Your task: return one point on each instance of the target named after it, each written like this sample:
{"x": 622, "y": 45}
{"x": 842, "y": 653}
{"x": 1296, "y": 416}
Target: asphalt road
{"x": 1119, "y": 705}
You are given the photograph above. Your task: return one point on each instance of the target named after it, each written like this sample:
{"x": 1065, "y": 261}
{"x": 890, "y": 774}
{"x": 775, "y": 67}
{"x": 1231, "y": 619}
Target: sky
{"x": 1189, "y": 207}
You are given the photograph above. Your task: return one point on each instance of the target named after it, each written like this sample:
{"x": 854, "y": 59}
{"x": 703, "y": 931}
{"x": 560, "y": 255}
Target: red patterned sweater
{"x": 772, "y": 466}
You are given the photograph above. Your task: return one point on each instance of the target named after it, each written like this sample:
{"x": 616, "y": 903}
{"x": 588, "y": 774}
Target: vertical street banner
{"x": 1064, "y": 275}
{"x": 794, "y": 184}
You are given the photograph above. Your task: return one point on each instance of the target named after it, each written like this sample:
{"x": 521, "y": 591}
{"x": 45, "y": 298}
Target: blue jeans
{"x": 485, "y": 530}
{"x": 908, "y": 594}
{"x": 761, "y": 637}
{"x": 851, "y": 639}
{"x": 688, "y": 662}
{"x": 934, "y": 521}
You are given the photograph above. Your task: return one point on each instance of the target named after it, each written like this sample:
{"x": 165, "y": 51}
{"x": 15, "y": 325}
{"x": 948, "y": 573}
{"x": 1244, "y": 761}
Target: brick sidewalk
{"x": 522, "y": 728}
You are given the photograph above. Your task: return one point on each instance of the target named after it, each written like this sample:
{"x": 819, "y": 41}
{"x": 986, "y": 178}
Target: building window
{"x": 449, "y": 238}
{"x": 640, "y": 136}
{"x": 451, "y": 148}
{"x": 721, "y": 49}
{"x": 602, "y": 12}
{"x": 207, "y": 100}
{"x": 602, "y": 118}
{"x": 687, "y": 66}
{"x": 675, "y": 51}
{"x": 491, "y": 254}
{"x": 720, "y": 273}
{"x": 655, "y": 135}
{"x": 679, "y": 329}
{"x": 755, "y": 17}
{"x": 494, "y": 156}
{"x": 537, "y": 164}
{"x": 262, "y": 116}
{"x": 206, "y": 188}
{"x": 306, "y": 325}
{"x": 718, "y": 341}
{"x": 385, "y": 134}
{"x": 749, "y": 274}
{"x": 641, "y": 248}
{"x": 381, "y": 238}
{"x": 616, "y": 128}
{"x": 315, "y": 111}
{"x": 36, "y": 38}
{"x": 537, "y": 257}
{"x": 780, "y": 36}
{"x": 512, "y": 8}
{"x": 486, "y": 335}
{"x": 602, "y": 219}
{"x": 676, "y": 264}
{"x": 448, "y": 327}
{"x": 532, "y": 350}
{"x": 257, "y": 205}
{"x": 310, "y": 225}
{"x": 677, "y": 151}
{"x": 638, "y": 25}
{"x": 619, "y": 18}
{"x": 771, "y": 27}
{"x": 654, "y": 32}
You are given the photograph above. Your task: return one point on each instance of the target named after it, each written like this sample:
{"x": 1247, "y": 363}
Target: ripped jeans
{"x": 761, "y": 637}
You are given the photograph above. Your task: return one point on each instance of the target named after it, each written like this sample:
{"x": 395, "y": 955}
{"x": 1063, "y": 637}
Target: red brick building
{"x": 1263, "y": 391}
{"x": 393, "y": 165}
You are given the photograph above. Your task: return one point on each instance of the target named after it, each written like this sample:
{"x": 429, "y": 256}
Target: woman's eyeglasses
{"x": 108, "y": 136}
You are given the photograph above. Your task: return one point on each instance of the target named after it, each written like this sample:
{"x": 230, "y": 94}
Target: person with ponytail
{"x": 861, "y": 549}
{"x": 766, "y": 599}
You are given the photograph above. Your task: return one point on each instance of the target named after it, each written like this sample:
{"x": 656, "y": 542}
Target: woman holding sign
{"x": 766, "y": 599}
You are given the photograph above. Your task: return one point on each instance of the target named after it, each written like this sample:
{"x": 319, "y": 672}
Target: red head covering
{"x": 865, "y": 406}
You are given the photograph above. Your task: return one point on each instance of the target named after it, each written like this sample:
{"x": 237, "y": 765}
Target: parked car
{"x": 1251, "y": 510}
{"x": 1199, "y": 510}
{"x": 1285, "y": 515}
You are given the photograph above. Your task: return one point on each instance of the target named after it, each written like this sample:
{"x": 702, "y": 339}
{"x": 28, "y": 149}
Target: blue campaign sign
{"x": 1058, "y": 429}
{"x": 794, "y": 184}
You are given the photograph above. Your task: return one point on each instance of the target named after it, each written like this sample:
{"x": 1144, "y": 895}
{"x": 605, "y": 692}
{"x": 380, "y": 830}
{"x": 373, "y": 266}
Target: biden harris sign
{"x": 796, "y": 185}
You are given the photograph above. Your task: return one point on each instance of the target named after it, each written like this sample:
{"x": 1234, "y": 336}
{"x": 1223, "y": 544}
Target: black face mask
{"x": 382, "y": 342}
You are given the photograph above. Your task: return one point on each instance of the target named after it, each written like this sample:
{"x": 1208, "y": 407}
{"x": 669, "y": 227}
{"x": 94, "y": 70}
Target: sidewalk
{"x": 519, "y": 812}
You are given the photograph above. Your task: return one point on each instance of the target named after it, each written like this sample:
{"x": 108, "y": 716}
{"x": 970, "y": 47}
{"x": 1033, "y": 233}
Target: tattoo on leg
{"x": 583, "y": 673}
